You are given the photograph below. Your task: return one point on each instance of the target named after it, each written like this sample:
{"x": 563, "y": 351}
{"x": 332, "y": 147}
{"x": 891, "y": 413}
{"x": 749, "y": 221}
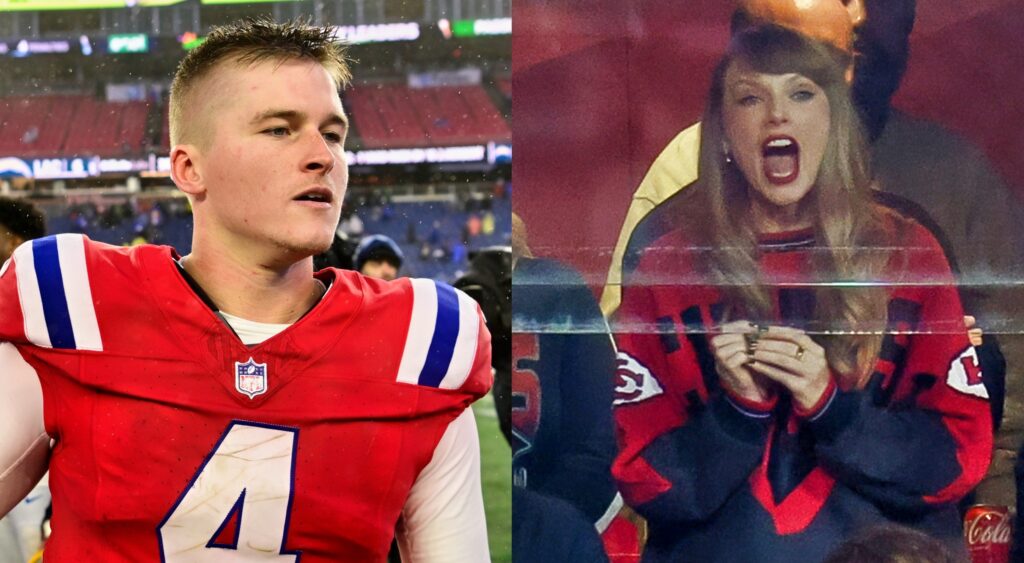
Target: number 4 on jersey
{"x": 246, "y": 481}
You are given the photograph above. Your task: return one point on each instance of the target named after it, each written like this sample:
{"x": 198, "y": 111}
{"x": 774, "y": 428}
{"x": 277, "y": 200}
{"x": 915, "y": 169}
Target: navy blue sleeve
{"x": 902, "y": 457}
{"x": 563, "y": 369}
{"x": 920, "y": 433}
{"x": 703, "y": 462}
{"x": 893, "y": 457}
{"x": 548, "y": 530}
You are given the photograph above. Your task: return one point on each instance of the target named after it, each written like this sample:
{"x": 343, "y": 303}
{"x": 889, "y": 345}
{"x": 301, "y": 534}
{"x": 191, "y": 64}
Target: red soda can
{"x": 987, "y": 531}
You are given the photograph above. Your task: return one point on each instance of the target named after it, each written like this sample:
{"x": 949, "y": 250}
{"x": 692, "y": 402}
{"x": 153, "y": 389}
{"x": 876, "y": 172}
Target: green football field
{"x": 496, "y": 467}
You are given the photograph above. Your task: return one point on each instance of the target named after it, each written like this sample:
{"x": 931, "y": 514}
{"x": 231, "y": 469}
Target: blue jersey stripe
{"x": 51, "y": 290}
{"x": 446, "y": 331}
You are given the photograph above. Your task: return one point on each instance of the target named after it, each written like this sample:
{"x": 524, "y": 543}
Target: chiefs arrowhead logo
{"x": 635, "y": 382}
{"x": 965, "y": 374}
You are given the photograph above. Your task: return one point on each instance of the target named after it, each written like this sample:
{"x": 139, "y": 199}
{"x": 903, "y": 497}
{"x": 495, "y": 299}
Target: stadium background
{"x": 83, "y": 132}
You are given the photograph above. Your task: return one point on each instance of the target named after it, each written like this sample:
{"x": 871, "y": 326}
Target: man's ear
{"x": 185, "y": 171}
{"x": 9, "y": 242}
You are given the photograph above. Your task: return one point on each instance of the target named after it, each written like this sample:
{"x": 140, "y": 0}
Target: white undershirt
{"x": 249, "y": 332}
{"x": 443, "y": 518}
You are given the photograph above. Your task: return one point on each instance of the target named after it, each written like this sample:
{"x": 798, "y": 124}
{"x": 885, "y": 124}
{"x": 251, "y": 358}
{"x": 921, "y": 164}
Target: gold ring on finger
{"x": 799, "y": 353}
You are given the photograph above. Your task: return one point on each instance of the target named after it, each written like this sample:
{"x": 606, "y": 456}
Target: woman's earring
{"x": 725, "y": 153}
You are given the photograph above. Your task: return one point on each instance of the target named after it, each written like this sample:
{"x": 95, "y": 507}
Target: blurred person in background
{"x": 339, "y": 255}
{"x": 20, "y": 221}
{"x": 379, "y": 257}
{"x": 21, "y": 531}
{"x": 489, "y": 282}
{"x": 547, "y": 529}
{"x": 563, "y": 364}
{"x": 891, "y": 544}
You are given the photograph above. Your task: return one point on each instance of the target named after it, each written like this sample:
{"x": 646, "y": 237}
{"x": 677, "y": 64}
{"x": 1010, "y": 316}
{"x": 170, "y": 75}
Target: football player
{"x": 19, "y": 221}
{"x": 20, "y": 530}
{"x": 231, "y": 405}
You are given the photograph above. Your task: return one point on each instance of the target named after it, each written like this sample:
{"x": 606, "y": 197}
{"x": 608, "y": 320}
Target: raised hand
{"x": 732, "y": 359}
{"x": 792, "y": 359}
{"x": 974, "y": 333}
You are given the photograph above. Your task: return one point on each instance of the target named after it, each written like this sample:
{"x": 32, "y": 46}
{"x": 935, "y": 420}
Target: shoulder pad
{"x": 55, "y": 294}
{"x": 442, "y": 340}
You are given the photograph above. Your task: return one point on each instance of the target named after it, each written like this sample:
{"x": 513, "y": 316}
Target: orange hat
{"x": 829, "y": 21}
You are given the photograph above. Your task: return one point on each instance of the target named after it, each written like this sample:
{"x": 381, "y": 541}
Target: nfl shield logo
{"x": 251, "y": 378}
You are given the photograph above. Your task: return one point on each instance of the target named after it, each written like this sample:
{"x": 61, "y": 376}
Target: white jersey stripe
{"x": 31, "y": 301}
{"x": 421, "y": 330}
{"x": 77, "y": 291}
{"x": 465, "y": 346}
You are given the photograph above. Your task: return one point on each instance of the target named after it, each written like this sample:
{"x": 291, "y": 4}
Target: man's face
{"x": 882, "y": 43}
{"x": 379, "y": 269}
{"x": 273, "y": 171}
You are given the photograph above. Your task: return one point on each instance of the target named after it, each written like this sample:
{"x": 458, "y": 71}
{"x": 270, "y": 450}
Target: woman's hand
{"x": 789, "y": 357}
{"x": 974, "y": 333}
{"x": 732, "y": 358}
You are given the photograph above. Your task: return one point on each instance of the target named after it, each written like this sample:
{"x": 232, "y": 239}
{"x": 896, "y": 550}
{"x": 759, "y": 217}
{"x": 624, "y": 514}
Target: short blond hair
{"x": 249, "y": 42}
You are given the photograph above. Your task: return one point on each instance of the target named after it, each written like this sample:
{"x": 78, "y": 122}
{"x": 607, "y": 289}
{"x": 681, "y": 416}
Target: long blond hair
{"x": 850, "y": 308}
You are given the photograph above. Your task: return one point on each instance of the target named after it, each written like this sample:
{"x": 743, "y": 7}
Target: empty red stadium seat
{"x": 394, "y": 115}
{"x": 64, "y": 125}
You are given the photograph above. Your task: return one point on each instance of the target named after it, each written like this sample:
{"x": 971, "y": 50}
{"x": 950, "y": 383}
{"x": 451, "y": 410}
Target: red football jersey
{"x": 176, "y": 442}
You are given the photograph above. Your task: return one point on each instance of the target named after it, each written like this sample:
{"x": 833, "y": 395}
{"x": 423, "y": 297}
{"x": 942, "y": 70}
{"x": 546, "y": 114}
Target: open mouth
{"x": 316, "y": 195}
{"x": 780, "y": 159}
